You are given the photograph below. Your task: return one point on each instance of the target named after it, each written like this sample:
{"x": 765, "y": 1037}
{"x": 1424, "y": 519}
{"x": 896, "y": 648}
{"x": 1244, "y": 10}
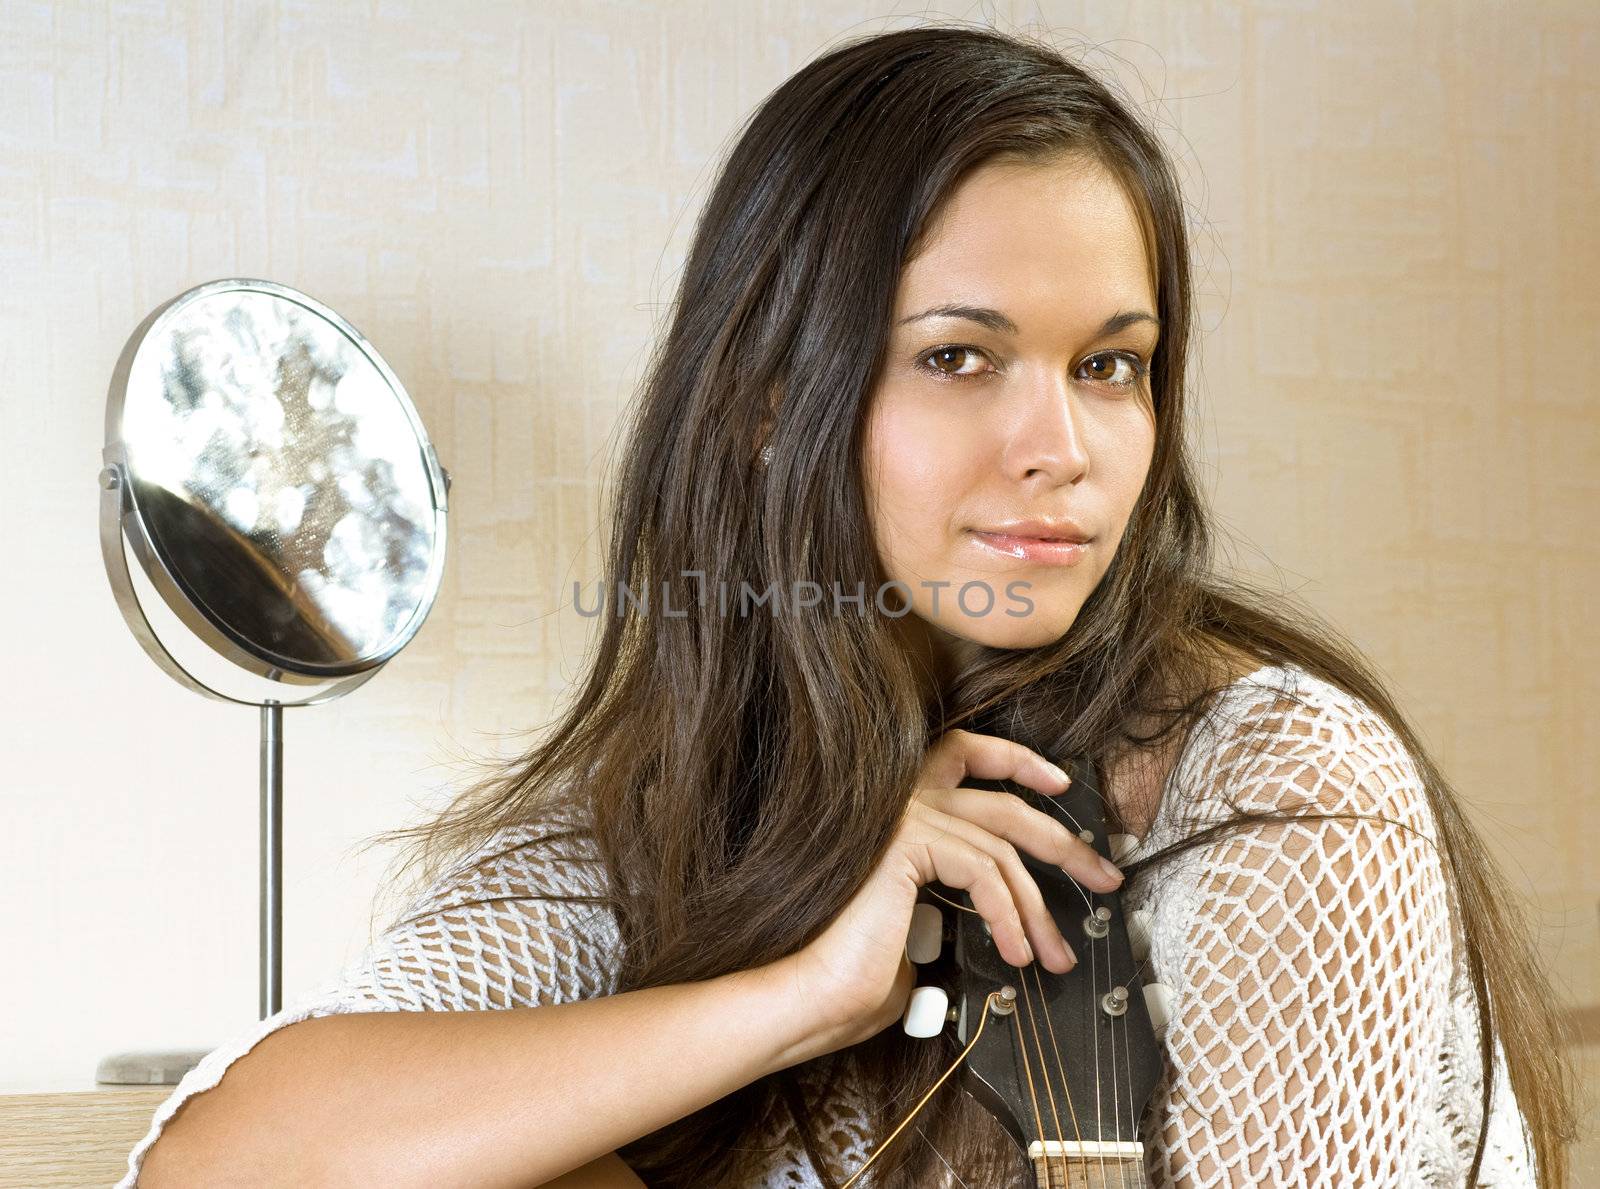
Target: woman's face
{"x": 1024, "y": 407}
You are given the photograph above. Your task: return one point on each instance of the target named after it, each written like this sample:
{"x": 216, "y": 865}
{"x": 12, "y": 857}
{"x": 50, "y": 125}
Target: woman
{"x": 937, "y": 308}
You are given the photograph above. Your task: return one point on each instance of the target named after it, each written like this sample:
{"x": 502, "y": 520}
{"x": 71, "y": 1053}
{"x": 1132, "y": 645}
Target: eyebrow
{"x": 995, "y": 320}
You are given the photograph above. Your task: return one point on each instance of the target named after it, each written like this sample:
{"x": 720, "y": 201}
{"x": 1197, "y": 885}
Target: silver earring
{"x": 766, "y": 454}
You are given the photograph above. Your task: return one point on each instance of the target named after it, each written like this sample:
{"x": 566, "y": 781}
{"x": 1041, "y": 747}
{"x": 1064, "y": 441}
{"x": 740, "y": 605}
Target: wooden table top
{"x": 73, "y": 1137}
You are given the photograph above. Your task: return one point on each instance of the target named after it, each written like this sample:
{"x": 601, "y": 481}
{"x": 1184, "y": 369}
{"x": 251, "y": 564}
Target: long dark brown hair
{"x": 722, "y": 757}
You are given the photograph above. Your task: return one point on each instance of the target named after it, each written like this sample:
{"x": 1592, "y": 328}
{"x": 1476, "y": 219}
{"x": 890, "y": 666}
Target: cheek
{"x": 913, "y": 472}
{"x": 1133, "y": 463}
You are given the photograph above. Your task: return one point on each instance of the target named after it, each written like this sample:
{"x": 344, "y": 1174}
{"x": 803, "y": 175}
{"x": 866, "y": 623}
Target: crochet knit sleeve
{"x": 485, "y": 935}
{"x": 1310, "y": 963}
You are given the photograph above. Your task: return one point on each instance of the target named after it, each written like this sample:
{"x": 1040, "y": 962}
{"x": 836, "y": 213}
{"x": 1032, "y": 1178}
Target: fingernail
{"x": 1110, "y": 869}
{"x": 1027, "y": 949}
{"x": 1058, "y": 773}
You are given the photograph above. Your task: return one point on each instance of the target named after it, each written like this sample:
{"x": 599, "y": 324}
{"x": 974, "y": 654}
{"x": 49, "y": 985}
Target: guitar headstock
{"x": 1065, "y": 1062}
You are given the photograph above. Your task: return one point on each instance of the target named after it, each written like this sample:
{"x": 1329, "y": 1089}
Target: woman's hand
{"x": 854, "y": 979}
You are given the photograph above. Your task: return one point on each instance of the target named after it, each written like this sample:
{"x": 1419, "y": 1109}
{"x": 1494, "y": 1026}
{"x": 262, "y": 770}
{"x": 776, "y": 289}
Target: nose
{"x": 1049, "y": 438}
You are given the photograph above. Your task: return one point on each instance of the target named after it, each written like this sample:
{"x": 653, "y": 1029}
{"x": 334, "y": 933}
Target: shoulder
{"x": 551, "y": 859}
{"x": 1282, "y": 738}
{"x": 523, "y": 919}
{"x": 1307, "y": 953}
{"x": 1314, "y": 888}
{"x": 1284, "y": 741}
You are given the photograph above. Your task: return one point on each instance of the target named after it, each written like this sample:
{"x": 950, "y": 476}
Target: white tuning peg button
{"x": 1120, "y": 845}
{"x": 1158, "y": 1002}
{"x": 1139, "y": 934}
{"x": 926, "y": 937}
{"x": 925, "y": 1013}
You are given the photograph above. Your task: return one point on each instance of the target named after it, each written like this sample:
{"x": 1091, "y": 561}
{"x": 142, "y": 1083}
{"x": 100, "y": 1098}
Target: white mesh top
{"x": 1319, "y": 1034}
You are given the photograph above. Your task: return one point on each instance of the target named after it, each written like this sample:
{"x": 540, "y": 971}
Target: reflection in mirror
{"x": 233, "y": 430}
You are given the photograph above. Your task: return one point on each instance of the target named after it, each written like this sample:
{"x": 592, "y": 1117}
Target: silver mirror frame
{"x": 122, "y": 519}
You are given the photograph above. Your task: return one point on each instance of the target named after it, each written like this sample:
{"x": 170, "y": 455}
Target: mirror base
{"x": 153, "y": 1067}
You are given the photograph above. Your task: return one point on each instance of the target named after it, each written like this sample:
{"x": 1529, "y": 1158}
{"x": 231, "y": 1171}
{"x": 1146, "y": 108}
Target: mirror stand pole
{"x": 166, "y": 1067}
{"x": 271, "y": 997}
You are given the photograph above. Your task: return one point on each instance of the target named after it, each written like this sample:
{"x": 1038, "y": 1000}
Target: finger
{"x": 958, "y": 754}
{"x": 944, "y": 855}
{"x": 1028, "y": 902}
{"x": 1010, "y": 817}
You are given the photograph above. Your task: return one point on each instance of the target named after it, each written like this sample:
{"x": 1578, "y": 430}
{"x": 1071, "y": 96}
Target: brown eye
{"x": 952, "y": 362}
{"x": 1136, "y": 369}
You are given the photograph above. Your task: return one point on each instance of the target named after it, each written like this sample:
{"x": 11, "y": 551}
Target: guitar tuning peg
{"x": 1121, "y": 844}
{"x": 926, "y": 936}
{"x": 926, "y": 1012}
{"x": 1158, "y": 1002}
{"x": 1139, "y": 933}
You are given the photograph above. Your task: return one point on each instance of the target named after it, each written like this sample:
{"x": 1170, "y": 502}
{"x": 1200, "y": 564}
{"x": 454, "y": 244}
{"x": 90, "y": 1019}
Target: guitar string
{"x": 1134, "y": 980}
{"x": 1127, "y": 1057}
{"x": 1099, "y": 1098}
{"x": 1060, "y": 1062}
{"x": 1061, "y": 1144}
{"x": 942, "y": 1160}
{"x": 1116, "y": 1080}
{"x": 1055, "y": 1046}
{"x": 1050, "y": 1092}
{"x": 983, "y": 1018}
{"x": 1094, "y": 1031}
{"x": 1116, "y": 1076}
{"x": 1043, "y": 1064}
{"x": 1027, "y": 1009}
{"x": 1111, "y": 1042}
{"x": 1120, "y": 1026}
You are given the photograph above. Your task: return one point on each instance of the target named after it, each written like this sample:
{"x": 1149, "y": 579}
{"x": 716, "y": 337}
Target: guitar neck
{"x": 1087, "y": 1165}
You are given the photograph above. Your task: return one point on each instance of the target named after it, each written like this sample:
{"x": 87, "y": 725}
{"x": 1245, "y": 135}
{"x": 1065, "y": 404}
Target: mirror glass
{"x": 280, "y": 476}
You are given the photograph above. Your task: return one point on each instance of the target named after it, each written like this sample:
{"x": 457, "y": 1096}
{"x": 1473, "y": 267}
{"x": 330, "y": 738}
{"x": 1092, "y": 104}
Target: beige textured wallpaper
{"x": 1398, "y": 242}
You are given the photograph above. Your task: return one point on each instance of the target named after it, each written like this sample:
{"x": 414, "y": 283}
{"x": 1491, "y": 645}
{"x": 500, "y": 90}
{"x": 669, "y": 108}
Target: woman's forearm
{"x": 508, "y": 1097}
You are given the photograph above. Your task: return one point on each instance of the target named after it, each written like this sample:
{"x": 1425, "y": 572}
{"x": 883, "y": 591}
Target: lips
{"x": 1037, "y": 550}
{"x": 1039, "y": 530}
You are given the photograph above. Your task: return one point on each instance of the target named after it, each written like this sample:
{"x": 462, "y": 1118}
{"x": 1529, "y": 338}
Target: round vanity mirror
{"x": 272, "y": 478}
{"x": 276, "y": 488}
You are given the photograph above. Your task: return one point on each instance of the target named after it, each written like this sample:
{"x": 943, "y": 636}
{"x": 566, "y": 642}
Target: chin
{"x": 1037, "y": 630}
